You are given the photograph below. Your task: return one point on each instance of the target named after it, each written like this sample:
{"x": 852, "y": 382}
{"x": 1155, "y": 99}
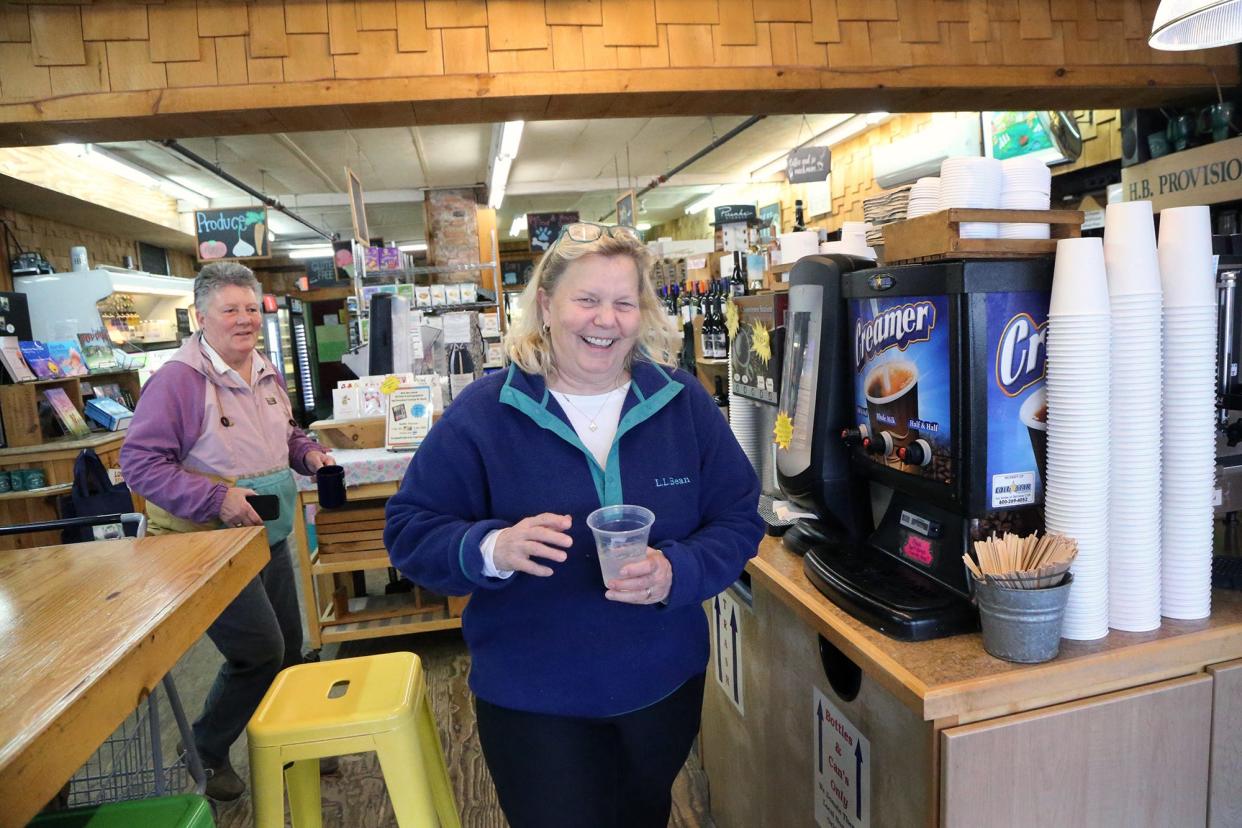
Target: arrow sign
{"x": 719, "y": 655}
{"x": 858, "y": 791}
{"x": 819, "y": 737}
{"x": 733, "y": 627}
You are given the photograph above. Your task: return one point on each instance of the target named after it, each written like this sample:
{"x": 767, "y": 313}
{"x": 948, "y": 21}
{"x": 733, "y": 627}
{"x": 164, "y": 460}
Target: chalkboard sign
{"x": 232, "y": 234}
{"x": 544, "y": 228}
{"x": 625, "y": 209}
{"x": 320, "y": 272}
{"x": 808, "y": 164}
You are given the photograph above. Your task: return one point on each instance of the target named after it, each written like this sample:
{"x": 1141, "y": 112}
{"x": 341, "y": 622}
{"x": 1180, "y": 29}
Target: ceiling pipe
{"x": 244, "y": 187}
{"x": 715, "y": 144}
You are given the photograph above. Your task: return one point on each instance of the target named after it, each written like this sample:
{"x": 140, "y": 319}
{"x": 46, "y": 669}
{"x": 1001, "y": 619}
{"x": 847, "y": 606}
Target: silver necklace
{"x": 590, "y": 419}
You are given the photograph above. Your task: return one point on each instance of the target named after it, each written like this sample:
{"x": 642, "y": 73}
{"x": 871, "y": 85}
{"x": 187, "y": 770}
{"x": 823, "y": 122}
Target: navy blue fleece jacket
{"x": 503, "y": 451}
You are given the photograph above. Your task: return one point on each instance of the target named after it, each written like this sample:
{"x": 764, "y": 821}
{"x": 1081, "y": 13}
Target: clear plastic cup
{"x": 620, "y": 537}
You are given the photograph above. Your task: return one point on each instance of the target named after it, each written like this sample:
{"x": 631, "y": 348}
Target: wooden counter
{"x": 1133, "y": 729}
{"x": 955, "y": 678}
{"x": 87, "y": 630}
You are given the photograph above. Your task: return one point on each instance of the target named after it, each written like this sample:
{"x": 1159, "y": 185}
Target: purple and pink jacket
{"x": 193, "y": 424}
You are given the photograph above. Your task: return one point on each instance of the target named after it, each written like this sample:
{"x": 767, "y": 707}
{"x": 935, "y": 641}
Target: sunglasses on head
{"x": 589, "y": 231}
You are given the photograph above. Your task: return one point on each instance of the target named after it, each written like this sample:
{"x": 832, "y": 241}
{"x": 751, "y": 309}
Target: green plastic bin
{"x": 186, "y": 811}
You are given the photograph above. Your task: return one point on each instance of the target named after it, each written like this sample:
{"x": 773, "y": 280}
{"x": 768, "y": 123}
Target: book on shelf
{"x": 14, "y": 362}
{"x": 97, "y": 349}
{"x": 39, "y": 360}
{"x": 113, "y": 391}
{"x": 109, "y": 413}
{"x": 68, "y": 355}
{"x": 67, "y": 415}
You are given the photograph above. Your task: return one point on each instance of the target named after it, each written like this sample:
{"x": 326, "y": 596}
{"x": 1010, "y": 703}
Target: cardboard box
{"x": 705, "y": 266}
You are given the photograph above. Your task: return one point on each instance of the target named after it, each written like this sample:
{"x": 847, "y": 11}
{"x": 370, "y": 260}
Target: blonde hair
{"x": 530, "y": 347}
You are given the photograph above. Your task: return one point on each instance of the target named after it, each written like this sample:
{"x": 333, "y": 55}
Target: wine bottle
{"x": 707, "y": 333}
{"x": 799, "y": 219}
{"x": 461, "y": 369}
{"x": 721, "y": 398}
{"x": 737, "y": 282}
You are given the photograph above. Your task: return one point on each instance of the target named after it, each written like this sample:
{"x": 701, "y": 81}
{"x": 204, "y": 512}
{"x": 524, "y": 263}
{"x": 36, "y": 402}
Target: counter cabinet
{"x": 1152, "y": 734}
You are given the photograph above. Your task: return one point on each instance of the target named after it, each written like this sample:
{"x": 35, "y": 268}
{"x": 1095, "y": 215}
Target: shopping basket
{"x": 137, "y": 761}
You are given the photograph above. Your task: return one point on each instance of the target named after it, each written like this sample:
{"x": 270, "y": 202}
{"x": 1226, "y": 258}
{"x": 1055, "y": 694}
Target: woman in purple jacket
{"x": 213, "y": 426}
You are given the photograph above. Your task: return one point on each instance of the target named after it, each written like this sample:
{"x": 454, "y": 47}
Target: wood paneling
{"x": 15, "y": 24}
{"x": 687, "y": 11}
{"x": 376, "y": 15}
{"x": 629, "y": 22}
{"x": 412, "y": 33}
{"x": 516, "y": 24}
{"x": 449, "y": 14}
{"x": 1138, "y": 757}
{"x": 970, "y": 54}
{"x": 465, "y": 50}
{"x": 267, "y": 29}
{"x": 56, "y": 32}
{"x": 174, "y": 31}
{"x": 221, "y": 18}
{"x": 1225, "y": 783}
{"x": 90, "y": 77}
{"x": 343, "y": 28}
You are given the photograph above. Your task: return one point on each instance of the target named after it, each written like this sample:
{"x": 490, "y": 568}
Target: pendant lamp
{"x": 1183, "y": 25}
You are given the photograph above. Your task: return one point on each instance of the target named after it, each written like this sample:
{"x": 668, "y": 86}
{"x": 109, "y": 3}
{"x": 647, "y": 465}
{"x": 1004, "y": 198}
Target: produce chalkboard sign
{"x": 232, "y": 234}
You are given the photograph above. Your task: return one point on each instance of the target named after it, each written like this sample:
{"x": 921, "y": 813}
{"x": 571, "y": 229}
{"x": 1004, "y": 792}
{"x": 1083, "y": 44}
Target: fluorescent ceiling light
{"x": 506, "y": 150}
{"x": 511, "y": 138}
{"x": 311, "y": 252}
{"x": 519, "y": 226}
{"x": 412, "y": 247}
{"x": 105, "y": 159}
{"x": 1183, "y": 25}
{"x": 643, "y": 226}
{"x": 721, "y": 195}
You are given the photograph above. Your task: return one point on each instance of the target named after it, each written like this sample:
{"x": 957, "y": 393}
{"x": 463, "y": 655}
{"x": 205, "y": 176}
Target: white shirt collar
{"x": 222, "y": 367}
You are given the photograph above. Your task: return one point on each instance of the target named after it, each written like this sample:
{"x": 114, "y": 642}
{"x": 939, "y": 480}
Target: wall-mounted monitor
{"x": 1052, "y": 137}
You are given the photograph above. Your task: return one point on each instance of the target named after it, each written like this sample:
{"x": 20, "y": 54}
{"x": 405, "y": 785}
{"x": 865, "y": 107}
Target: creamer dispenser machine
{"x": 913, "y": 413}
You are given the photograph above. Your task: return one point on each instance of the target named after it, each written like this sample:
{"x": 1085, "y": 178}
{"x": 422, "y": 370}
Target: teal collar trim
{"x": 607, "y": 482}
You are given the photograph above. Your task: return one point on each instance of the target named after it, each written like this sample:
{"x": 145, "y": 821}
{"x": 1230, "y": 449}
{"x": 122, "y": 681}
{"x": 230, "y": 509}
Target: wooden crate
{"x": 346, "y": 532}
{"x": 938, "y": 235}
{"x": 363, "y": 432}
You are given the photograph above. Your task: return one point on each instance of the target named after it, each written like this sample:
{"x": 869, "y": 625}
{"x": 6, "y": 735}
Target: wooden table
{"x": 86, "y": 631}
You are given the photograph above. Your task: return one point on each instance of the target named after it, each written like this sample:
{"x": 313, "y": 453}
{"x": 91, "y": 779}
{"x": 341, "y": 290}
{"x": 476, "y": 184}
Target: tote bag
{"x": 93, "y": 493}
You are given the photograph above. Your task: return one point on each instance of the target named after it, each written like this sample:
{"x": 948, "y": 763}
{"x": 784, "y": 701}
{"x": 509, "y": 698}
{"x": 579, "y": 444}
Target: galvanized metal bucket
{"x": 1022, "y": 625}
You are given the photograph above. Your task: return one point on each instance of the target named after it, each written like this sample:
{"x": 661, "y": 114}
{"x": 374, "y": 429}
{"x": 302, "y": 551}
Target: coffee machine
{"x": 912, "y": 422}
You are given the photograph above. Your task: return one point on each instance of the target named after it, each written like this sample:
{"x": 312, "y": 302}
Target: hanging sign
{"x": 544, "y": 228}
{"x": 1210, "y": 174}
{"x": 808, "y": 164}
{"x": 735, "y": 213}
{"x": 239, "y": 233}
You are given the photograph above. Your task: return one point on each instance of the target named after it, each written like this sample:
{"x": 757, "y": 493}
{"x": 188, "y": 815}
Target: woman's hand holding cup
{"x": 648, "y": 581}
{"x": 540, "y": 536}
{"x": 235, "y": 511}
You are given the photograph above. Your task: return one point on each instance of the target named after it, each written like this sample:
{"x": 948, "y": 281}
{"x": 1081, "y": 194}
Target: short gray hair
{"x": 221, "y": 274}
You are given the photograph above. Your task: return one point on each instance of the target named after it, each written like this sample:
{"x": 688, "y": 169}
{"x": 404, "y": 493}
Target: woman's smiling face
{"x": 594, "y": 319}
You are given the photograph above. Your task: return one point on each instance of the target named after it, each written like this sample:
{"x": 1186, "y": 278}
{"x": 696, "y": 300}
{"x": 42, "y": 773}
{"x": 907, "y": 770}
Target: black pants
{"x": 566, "y": 772}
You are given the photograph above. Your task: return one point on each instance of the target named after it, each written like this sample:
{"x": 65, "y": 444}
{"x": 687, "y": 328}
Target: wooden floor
{"x": 357, "y": 798}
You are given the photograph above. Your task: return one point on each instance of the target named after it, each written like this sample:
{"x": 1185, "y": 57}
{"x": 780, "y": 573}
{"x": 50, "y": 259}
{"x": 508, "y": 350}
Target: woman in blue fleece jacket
{"x": 588, "y": 695}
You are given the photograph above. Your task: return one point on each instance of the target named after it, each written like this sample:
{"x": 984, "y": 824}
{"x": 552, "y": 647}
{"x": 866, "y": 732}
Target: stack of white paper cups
{"x": 1187, "y": 277}
{"x": 1134, "y": 510}
{"x": 1027, "y": 186}
{"x": 1078, "y": 417}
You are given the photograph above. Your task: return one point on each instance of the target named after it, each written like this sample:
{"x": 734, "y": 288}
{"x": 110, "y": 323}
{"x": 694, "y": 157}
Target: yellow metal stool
{"x": 351, "y": 705}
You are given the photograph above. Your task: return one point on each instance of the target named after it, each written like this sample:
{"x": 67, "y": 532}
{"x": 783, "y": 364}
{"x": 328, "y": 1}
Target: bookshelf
{"x": 20, "y": 404}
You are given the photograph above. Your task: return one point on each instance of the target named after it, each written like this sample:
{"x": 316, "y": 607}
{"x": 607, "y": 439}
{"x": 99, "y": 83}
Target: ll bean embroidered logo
{"x": 662, "y": 482}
